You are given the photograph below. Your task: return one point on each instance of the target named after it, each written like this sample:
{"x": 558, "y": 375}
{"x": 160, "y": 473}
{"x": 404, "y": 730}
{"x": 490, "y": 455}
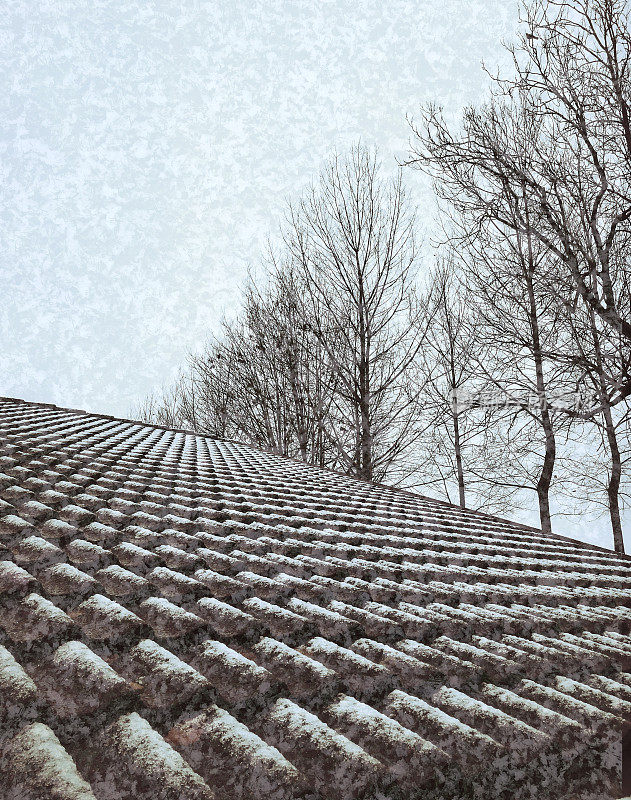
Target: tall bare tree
{"x": 166, "y": 408}
{"x": 557, "y": 129}
{"x": 511, "y": 287}
{"x": 547, "y": 159}
{"x": 352, "y": 239}
{"x": 454, "y": 430}
{"x": 292, "y": 359}
{"x": 593, "y": 352}
{"x": 265, "y": 379}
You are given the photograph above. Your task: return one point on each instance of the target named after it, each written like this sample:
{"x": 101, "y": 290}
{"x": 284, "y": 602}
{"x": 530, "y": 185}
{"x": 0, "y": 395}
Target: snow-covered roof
{"x": 186, "y": 617}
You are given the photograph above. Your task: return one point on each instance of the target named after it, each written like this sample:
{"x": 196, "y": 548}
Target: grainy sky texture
{"x": 148, "y": 148}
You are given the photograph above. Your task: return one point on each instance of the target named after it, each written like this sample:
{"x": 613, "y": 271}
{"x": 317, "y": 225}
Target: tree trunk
{"x": 458, "y": 451}
{"x": 615, "y": 474}
{"x": 545, "y": 477}
{"x": 365, "y": 441}
{"x": 547, "y": 468}
{"x": 364, "y": 387}
{"x": 613, "y": 485}
{"x": 302, "y": 433}
{"x": 461, "y": 491}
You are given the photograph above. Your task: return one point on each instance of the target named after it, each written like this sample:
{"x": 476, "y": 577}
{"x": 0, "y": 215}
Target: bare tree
{"x": 209, "y": 392}
{"x": 165, "y": 409}
{"x": 593, "y": 351}
{"x": 352, "y": 240}
{"x": 557, "y": 130}
{"x": 454, "y": 431}
{"x": 511, "y": 285}
{"x": 288, "y": 357}
{"x": 264, "y": 380}
{"x": 546, "y": 161}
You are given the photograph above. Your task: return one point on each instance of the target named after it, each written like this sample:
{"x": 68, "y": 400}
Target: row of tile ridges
{"x": 286, "y": 714}
{"x": 251, "y": 456}
{"x": 273, "y": 514}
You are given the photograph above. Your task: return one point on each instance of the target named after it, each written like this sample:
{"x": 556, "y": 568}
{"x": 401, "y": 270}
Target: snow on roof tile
{"x": 235, "y": 677}
{"x": 233, "y": 760}
{"x": 365, "y": 641}
{"x": 34, "y": 618}
{"x": 17, "y": 688}
{"x": 35, "y": 760}
{"x": 335, "y": 765}
{"x": 101, "y": 618}
{"x": 165, "y": 679}
{"x": 130, "y": 755}
{"x": 75, "y": 681}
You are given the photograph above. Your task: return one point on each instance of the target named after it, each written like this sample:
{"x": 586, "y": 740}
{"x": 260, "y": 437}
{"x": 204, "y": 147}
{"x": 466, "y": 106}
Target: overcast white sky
{"x": 147, "y": 150}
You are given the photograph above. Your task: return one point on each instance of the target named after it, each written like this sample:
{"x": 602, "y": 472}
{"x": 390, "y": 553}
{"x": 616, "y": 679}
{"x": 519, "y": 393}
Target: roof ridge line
{"x": 82, "y": 411}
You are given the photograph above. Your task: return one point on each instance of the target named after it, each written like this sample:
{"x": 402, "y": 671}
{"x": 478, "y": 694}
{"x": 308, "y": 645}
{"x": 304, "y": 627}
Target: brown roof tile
{"x": 184, "y": 617}
{"x": 35, "y": 765}
{"x": 235, "y": 762}
{"x": 75, "y": 681}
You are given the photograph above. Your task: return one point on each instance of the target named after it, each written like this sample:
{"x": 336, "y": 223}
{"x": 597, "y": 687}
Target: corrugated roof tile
{"x": 165, "y": 679}
{"x": 101, "y": 618}
{"x": 168, "y": 619}
{"x": 35, "y": 618}
{"x": 133, "y": 758}
{"x": 76, "y": 681}
{"x": 235, "y": 677}
{"x": 235, "y": 762}
{"x": 332, "y": 763}
{"x": 35, "y": 765}
{"x": 366, "y": 641}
